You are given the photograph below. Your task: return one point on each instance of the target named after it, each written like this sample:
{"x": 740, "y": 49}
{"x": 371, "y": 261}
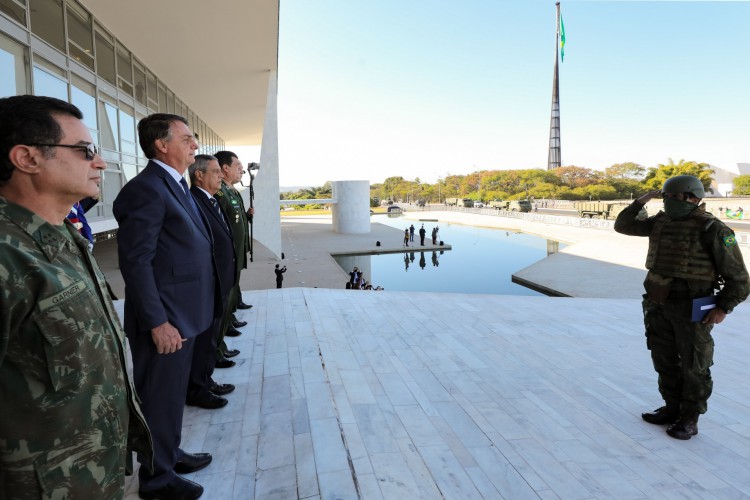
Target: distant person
{"x": 422, "y": 234}
{"x": 406, "y": 261}
{"x": 411, "y": 233}
{"x": 691, "y": 255}
{"x": 69, "y": 410}
{"x": 434, "y": 235}
{"x": 279, "y": 275}
{"x": 406, "y": 237}
{"x": 422, "y": 261}
{"x": 435, "y": 261}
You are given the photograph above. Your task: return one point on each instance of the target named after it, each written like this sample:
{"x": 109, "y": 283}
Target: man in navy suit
{"x": 205, "y": 180}
{"x": 165, "y": 254}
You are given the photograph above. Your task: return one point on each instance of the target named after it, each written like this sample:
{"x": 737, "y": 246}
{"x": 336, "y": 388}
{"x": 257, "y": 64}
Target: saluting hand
{"x": 650, "y": 196}
{"x": 167, "y": 338}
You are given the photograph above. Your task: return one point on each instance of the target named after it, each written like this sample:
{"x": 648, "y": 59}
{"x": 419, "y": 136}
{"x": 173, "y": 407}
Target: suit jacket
{"x": 223, "y": 242}
{"x": 165, "y": 255}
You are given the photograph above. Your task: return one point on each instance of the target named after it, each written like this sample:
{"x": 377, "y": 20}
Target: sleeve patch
{"x": 730, "y": 241}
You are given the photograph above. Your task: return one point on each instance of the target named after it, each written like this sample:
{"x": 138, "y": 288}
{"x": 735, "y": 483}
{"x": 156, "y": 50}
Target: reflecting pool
{"x": 481, "y": 260}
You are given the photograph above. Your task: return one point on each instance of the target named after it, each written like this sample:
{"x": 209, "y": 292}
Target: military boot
{"x": 684, "y": 428}
{"x": 661, "y": 416}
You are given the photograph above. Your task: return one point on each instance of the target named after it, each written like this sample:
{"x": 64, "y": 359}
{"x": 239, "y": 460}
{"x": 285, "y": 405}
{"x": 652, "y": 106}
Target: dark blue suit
{"x": 204, "y": 358}
{"x": 166, "y": 261}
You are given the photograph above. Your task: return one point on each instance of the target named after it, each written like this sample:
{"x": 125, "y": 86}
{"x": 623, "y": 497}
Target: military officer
{"x": 691, "y": 255}
{"x": 231, "y": 202}
{"x": 69, "y": 410}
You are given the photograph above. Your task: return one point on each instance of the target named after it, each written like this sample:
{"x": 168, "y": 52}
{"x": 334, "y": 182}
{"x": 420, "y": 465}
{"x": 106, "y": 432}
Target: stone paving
{"x": 395, "y": 395}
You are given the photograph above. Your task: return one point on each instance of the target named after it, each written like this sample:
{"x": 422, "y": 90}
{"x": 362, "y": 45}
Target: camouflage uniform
{"x": 69, "y": 410}
{"x": 687, "y": 259}
{"x": 231, "y": 202}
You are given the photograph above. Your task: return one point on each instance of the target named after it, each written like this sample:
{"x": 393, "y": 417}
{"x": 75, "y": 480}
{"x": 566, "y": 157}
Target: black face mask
{"x": 678, "y": 209}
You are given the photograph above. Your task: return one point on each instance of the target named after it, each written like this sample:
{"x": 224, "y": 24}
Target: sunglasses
{"x": 90, "y": 150}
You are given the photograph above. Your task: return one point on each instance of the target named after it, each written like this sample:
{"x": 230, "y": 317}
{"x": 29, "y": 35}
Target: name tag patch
{"x": 62, "y": 296}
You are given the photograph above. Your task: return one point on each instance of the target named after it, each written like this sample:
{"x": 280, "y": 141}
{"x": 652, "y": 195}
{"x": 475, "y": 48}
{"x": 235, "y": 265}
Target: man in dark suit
{"x": 205, "y": 180}
{"x": 165, "y": 255}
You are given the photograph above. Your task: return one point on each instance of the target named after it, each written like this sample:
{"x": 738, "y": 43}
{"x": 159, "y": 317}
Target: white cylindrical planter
{"x": 351, "y": 212}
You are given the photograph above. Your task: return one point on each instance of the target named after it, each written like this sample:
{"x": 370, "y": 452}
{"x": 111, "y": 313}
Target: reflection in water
{"x": 481, "y": 260}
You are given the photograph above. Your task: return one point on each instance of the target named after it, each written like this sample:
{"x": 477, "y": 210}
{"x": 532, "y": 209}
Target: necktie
{"x": 190, "y": 199}
{"x": 215, "y": 204}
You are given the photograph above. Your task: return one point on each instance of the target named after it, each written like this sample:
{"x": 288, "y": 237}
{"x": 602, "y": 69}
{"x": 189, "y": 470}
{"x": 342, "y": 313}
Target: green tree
{"x": 627, "y": 170}
{"x": 573, "y": 176}
{"x": 741, "y": 185}
{"x": 657, "y": 175}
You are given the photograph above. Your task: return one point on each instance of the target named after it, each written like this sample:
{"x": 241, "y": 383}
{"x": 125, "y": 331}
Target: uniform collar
{"x": 49, "y": 237}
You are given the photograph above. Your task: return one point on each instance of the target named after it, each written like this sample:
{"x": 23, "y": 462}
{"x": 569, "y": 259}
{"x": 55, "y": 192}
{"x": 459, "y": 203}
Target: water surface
{"x": 481, "y": 260}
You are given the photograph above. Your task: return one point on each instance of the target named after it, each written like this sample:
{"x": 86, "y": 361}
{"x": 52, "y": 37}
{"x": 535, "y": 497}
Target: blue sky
{"x": 418, "y": 88}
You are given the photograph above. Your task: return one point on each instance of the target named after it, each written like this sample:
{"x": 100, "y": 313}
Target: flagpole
{"x": 554, "y": 157}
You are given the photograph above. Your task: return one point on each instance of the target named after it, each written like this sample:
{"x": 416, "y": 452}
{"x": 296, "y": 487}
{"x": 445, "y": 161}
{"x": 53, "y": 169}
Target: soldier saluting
{"x": 691, "y": 255}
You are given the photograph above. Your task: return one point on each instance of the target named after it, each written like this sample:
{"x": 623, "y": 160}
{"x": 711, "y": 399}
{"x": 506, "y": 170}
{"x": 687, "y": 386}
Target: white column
{"x": 351, "y": 212}
{"x": 267, "y": 220}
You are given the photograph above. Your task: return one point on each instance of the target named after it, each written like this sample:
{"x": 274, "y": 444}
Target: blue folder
{"x": 701, "y": 306}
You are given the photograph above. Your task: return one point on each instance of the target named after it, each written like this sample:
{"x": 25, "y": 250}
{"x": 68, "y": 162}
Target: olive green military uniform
{"x": 68, "y": 409}
{"x": 687, "y": 259}
{"x": 231, "y": 202}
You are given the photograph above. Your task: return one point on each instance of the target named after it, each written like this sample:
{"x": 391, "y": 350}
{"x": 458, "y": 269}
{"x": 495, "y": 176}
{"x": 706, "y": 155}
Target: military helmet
{"x": 684, "y": 184}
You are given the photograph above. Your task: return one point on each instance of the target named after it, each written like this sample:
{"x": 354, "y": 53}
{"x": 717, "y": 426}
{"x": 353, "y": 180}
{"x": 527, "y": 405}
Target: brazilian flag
{"x": 562, "y": 39}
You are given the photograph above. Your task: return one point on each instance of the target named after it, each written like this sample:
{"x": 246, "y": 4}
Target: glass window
{"x": 14, "y": 67}
{"x": 82, "y": 95}
{"x": 105, "y": 59}
{"x": 124, "y": 71}
{"x": 47, "y": 22}
{"x": 139, "y": 77}
{"x": 80, "y": 38}
{"x": 110, "y": 187}
{"x": 138, "y": 118}
{"x": 170, "y": 101}
{"x": 127, "y": 130}
{"x": 151, "y": 87}
{"x": 162, "y": 100}
{"x": 14, "y": 10}
{"x": 110, "y": 132}
{"x": 49, "y": 85}
{"x": 130, "y": 170}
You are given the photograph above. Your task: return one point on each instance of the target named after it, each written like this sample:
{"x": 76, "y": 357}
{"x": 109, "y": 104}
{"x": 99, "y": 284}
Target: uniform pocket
{"x": 66, "y": 324}
{"x": 81, "y": 467}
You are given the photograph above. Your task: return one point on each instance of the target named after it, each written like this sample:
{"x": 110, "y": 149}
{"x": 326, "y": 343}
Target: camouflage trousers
{"x": 682, "y": 352}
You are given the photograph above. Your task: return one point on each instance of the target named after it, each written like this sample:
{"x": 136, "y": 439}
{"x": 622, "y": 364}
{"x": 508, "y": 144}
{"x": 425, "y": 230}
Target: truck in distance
{"x": 511, "y": 205}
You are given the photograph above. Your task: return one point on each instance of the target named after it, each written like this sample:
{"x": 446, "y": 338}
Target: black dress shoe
{"x": 661, "y": 416}
{"x": 242, "y": 305}
{"x": 177, "y": 489}
{"x": 231, "y": 353}
{"x": 225, "y": 363}
{"x": 684, "y": 428}
{"x": 192, "y": 462}
{"x": 209, "y": 401}
{"x": 233, "y": 332}
{"x": 239, "y": 324}
{"x": 221, "y": 389}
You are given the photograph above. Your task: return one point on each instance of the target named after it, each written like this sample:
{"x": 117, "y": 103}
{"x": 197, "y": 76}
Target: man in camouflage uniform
{"x": 69, "y": 411}
{"x": 233, "y": 206}
{"x": 691, "y": 254}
